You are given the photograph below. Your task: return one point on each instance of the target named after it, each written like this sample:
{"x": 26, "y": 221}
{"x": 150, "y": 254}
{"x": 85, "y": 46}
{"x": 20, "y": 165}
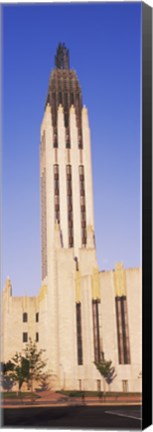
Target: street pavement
{"x": 76, "y": 416}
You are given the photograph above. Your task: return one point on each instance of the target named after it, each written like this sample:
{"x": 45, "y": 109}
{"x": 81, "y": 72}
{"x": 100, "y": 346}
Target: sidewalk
{"x": 48, "y": 398}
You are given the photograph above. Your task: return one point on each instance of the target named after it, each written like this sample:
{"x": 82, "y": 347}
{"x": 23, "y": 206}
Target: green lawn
{"x": 76, "y": 393}
{"x": 15, "y": 395}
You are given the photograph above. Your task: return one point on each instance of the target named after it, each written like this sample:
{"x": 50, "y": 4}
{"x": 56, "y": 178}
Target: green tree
{"x": 6, "y": 381}
{"x": 15, "y": 371}
{"x": 45, "y": 381}
{"x": 106, "y": 370}
{"x": 35, "y": 362}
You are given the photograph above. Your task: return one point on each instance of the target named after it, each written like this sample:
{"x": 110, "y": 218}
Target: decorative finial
{"x": 62, "y": 57}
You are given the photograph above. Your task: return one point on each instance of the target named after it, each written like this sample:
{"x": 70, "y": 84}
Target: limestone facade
{"x": 79, "y": 287}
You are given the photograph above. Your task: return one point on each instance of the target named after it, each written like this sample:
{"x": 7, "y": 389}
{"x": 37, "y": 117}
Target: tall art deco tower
{"x": 79, "y": 313}
{"x": 65, "y": 140}
{"x": 67, "y": 222}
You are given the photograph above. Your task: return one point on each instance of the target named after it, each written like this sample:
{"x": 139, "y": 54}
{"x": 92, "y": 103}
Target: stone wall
{"x": 71, "y": 287}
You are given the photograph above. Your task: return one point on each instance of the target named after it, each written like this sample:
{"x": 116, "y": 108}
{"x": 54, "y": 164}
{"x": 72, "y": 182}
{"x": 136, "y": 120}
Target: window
{"x": 84, "y": 239}
{"x": 56, "y": 187}
{"x": 82, "y": 192}
{"x": 79, "y": 333}
{"x": 25, "y": 317}
{"x": 37, "y": 317}
{"x": 70, "y": 237}
{"x": 82, "y": 201}
{"x": 55, "y": 169}
{"x": 66, "y": 123}
{"x": 68, "y": 144}
{"x": 96, "y": 334}
{"x": 126, "y": 343}
{"x": 69, "y": 190}
{"x": 55, "y": 141}
{"x": 54, "y": 97}
{"x": 56, "y": 200}
{"x": 72, "y": 99}
{"x": 81, "y": 169}
{"x": 122, "y": 330}
{"x": 25, "y": 337}
{"x": 68, "y": 169}
{"x": 119, "y": 330}
{"x": 82, "y": 204}
{"x": 60, "y": 98}
{"x": 65, "y": 99}
{"x": 37, "y": 337}
{"x": 56, "y": 193}
{"x": 83, "y": 216}
{"x": 125, "y": 386}
{"x": 70, "y": 224}
{"x": 80, "y": 142}
{"x": 69, "y": 205}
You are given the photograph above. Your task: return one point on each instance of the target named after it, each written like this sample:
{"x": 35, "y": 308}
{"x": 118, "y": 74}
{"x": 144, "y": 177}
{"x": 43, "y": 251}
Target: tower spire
{"x": 62, "y": 57}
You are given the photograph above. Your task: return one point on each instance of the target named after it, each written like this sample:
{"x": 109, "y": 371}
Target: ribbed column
{"x": 52, "y": 337}
{"x": 87, "y": 168}
{"x": 47, "y": 125}
{"x": 62, "y": 175}
{"x": 43, "y": 205}
{"x": 47, "y": 205}
{"x": 75, "y": 181}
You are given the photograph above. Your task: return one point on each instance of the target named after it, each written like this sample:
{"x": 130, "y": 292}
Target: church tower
{"x": 67, "y": 221}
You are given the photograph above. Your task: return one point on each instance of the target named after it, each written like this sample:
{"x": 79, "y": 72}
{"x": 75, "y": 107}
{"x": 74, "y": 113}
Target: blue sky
{"x": 104, "y": 41}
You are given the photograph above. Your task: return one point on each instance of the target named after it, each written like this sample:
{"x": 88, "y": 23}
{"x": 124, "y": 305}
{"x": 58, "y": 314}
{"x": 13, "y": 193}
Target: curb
{"x": 50, "y": 404}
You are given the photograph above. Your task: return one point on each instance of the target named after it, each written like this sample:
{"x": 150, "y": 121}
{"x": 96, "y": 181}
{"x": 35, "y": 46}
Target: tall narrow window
{"x": 82, "y": 204}
{"x": 69, "y": 205}
{"x": 122, "y": 330}
{"x": 119, "y": 330}
{"x": 65, "y": 100}
{"x": 55, "y": 138}
{"x": 37, "y": 337}
{"x": 37, "y": 316}
{"x": 126, "y": 343}
{"x": 67, "y": 132}
{"x": 72, "y": 98}
{"x": 60, "y": 97}
{"x": 25, "y": 317}
{"x": 80, "y": 139}
{"x": 96, "y": 333}
{"x": 25, "y": 337}
{"x": 56, "y": 194}
{"x": 79, "y": 334}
